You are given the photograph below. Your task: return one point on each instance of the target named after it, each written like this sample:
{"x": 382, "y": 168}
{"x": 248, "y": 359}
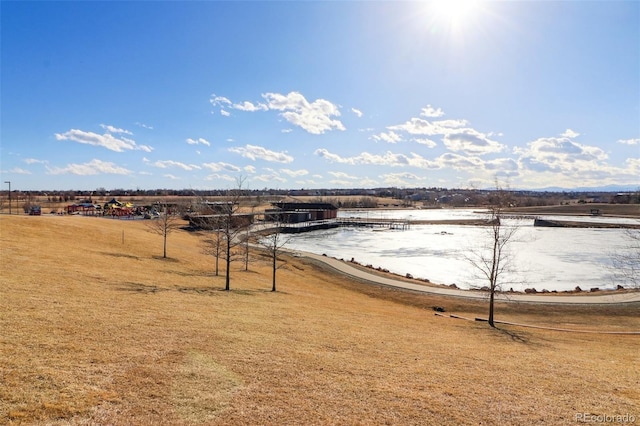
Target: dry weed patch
{"x": 97, "y": 330}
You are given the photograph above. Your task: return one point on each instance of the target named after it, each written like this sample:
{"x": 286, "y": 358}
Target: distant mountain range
{"x": 607, "y": 188}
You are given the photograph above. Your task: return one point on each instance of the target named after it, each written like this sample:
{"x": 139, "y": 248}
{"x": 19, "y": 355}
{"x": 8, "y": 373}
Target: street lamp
{"x": 9, "y": 182}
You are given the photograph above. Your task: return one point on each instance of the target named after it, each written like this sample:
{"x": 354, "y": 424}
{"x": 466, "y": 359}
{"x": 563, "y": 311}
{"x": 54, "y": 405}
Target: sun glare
{"x": 453, "y": 13}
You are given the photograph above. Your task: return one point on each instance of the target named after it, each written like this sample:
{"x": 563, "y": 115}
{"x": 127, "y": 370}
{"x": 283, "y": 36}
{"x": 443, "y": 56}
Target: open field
{"x": 98, "y": 328}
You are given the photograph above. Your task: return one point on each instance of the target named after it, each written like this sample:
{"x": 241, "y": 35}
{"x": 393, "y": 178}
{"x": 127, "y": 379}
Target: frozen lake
{"x": 543, "y": 258}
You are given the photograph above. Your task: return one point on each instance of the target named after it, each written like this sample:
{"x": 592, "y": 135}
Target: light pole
{"x": 9, "y": 182}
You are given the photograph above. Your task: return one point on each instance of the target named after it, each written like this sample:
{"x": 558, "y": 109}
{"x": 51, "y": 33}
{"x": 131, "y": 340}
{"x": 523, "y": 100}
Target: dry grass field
{"x": 97, "y": 328}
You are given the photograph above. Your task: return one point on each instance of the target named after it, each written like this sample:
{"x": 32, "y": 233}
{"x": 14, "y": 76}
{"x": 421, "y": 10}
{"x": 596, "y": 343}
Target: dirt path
{"x": 605, "y": 297}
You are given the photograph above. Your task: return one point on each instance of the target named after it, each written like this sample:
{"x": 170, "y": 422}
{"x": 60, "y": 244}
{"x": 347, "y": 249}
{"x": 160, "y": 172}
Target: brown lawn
{"x": 97, "y": 328}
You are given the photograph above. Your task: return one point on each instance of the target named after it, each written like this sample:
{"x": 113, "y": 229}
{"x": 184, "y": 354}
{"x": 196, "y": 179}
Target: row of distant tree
{"x": 432, "y": 194}
{"x": 356, "y": 198}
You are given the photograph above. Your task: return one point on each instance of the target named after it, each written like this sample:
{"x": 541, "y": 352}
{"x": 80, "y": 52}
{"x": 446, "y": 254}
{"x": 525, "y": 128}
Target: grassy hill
{"x": 97, "y": 328}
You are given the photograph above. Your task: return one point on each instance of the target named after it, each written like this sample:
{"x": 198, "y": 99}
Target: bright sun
{"x": 454, "y": 13}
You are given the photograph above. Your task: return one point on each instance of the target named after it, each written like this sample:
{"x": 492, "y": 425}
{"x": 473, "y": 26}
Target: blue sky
{"x": 296, "y": 95}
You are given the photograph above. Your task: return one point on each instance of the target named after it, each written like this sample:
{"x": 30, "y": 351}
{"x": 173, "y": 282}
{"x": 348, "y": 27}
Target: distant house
{"x": 216, "y": 221}
{"x": 214, "y": 214}
{"x": 216, "y": 207}
{"x": 622, "y": 198}
{"x": 285, "y": 212}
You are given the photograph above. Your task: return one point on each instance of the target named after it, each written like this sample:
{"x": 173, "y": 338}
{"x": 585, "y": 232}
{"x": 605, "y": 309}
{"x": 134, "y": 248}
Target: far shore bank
{"x": 589, "y": 209}
{"x": 613, "y": 211}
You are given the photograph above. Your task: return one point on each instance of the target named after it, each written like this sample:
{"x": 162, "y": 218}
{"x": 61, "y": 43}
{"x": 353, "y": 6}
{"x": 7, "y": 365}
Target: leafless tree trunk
{"x": 273, "y": 243}
{"x": 232, "y": 226}
{"x": 626, "y": 262}
{"x": 213, "y": 245}
{"x": 493, "y": 259}
{"x": 247, "y": 237}
{"x": 227, "y": 225}
{"x": 167, "y": 222}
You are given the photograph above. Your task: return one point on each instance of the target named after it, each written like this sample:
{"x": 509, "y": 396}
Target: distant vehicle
{"x": 152, "y": 215}
{"x": 35, "y": 211}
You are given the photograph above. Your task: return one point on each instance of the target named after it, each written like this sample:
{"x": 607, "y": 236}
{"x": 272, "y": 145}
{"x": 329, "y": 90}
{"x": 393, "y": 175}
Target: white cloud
{"x": 144, "y": 126}
{"x": 459, "y": 162}
{"x": 635, "y": 141}
{"x": 270, "y": 177}
{"x": 249, "y": 169}
{"x": 419, "y": 126}
{"x": 431, "y": 112}
{"x": 633, "y": 166}
{"x": 250, "y": 107}
{"x": 356, "y": 112}
{"x": 107, "y": 140}
{"x": 199, "y": 141}
{"x": 388, "y": 159}
{"x": 562, "y": 155}
{"x": 166, "y": 164}
{"x": 220, "y": 166}
{"x": 314, "y": 117}
{"x": 570, "y": 134}
{"x": 334, "y": 158}
{"x": 456, "y": 133}
{"x": 427, "y": 142}
{"x": 219, "y": 100}
{"x": 389, "y": 137}
{"x": 404, "y": 175}
{"x": 35, "y": 161}
{"x": 400, "y": 179}
{"x": 170, "y": 176}
{"x": 216, "y": 176}
{"x": 367, "y": 183}
{"x": 112, "y": 129}
{"x": 502, "y": 165}
{"x": 19, "y": 171}
{"x": 294, "y": 173}
{"x": 257, "y": 152}
{"x": 93, "y": 167}
{"x": 471, "y": 142}
{"x": 342, "y": 175}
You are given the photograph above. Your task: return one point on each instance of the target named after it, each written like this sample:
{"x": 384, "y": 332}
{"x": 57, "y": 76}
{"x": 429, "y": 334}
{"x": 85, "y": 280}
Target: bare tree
{"x": 273, "y": 243}
{"x": 245, "y": 247}
{"x": 253, "y": 204}
{"x": 168, "y": 221}
{"x": 213, "y": 244}
{"x": 626, "y": 261}
{"x": 493, "y": 259}
{"x": 231, "y": 226}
